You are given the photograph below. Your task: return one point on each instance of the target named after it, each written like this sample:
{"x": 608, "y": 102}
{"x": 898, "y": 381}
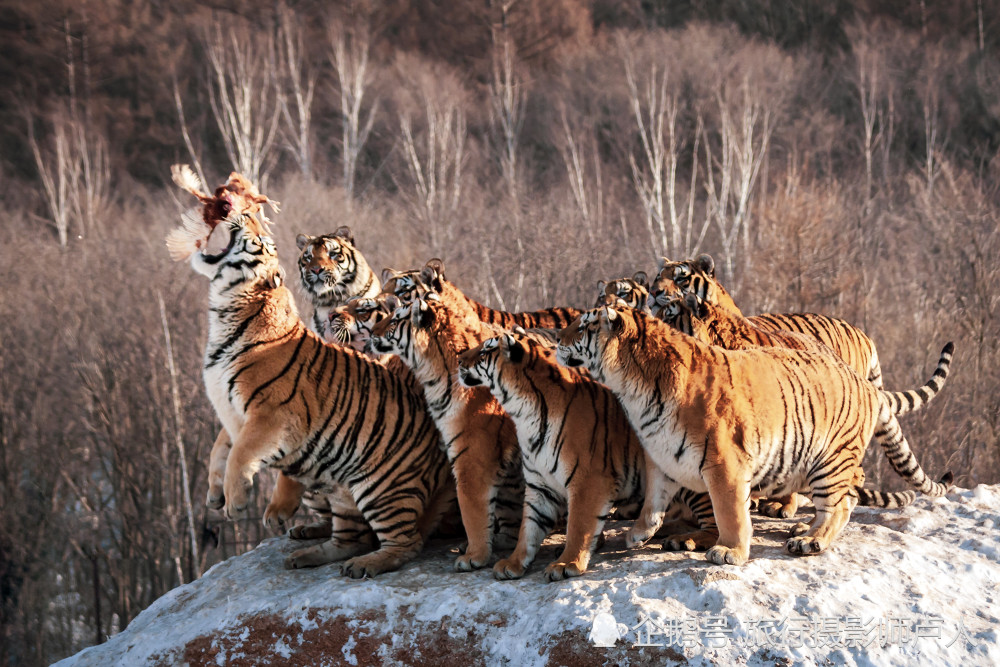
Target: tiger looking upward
{"x": 697, "y": 276}
{"x": 325, "y": 416}
{"x": 480, "y": 439}
{"x": 755, "y": 422}
{"x": 404, "y": 285}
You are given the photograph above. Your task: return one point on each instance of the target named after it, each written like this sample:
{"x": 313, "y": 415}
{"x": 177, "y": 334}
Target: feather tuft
{"x": 188, "y": 238}
{"x": 186, "y": 179}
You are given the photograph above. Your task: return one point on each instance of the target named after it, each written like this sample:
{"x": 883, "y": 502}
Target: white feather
{"x": 186, "y": 179}
{"x": 189, "y": 237}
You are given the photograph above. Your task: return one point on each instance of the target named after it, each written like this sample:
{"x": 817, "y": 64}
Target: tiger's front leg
{"x": 728, "y": 481}
{"x": 284, "y": 502}
{"x": 587, "y": 508}
{"x": 258, "y": 441}
{"x": 217, "y": 470}
{"x": 540, "y": 516}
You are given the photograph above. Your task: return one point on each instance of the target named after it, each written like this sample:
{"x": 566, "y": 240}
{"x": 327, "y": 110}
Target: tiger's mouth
{"x": 220, "y": 242}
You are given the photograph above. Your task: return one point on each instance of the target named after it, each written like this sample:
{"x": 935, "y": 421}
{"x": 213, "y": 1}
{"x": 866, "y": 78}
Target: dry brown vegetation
{"x": 837, "y": 157}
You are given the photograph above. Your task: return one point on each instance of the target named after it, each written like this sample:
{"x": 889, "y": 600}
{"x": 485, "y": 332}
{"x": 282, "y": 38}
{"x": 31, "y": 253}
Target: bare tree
{"x": 585, "y": 182}
{"x": 349, "y": 54}
{"x": 745, "y": 128}
{"x": 296, "y": 84}
{"x": 242, "y": 71}
{"x": 507, "y": 102}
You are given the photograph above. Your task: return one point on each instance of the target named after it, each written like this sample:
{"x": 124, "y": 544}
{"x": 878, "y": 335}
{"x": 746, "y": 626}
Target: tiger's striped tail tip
{"x": 885, "y": 500}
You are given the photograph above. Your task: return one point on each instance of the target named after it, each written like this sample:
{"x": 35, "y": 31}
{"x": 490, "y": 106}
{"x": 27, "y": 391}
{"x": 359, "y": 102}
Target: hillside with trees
{"x": 835, "y": 157}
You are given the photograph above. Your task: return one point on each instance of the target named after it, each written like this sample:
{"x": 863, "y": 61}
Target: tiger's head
{"x": 633, "y": 291}
{"x": 497, "y": 361}
{"x": 595, "y": 336}
{"x": 693, "y": 276}
{"x": 330, "y": 265}
{"x": 352, "y": 323}
{"x": 408, "y": 332}
{"x": 406, "y": 285}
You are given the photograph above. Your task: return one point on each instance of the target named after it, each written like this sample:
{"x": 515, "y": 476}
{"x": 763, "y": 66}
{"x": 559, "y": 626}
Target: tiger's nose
{"x": 316, "y": 270}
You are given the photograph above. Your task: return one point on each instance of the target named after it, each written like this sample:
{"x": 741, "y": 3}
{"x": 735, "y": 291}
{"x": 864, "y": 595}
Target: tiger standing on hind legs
{"x": 762, "y": 421}
{"x": 322, "y": 415}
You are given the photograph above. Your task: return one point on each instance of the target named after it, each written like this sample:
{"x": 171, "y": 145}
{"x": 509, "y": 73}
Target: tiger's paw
{"x": 215, "y": 498}
{"x": 368, "y": 565}
{"x": 696, "y": 541}
{"x": 778, "y": 510}
{"x": 237, "y": 497}
{"x": 638, "y": 536}
{"x": 804, "y": 546}
{"x": 311, "y": 531}
{"x": 277, "y": 513}
{"x": 508, "y": 568}
{"x": 721, "y": 555}
{"x": 471, "y": 560}
{"x": 798, "y": 529}
{"x": 559, "y": 571}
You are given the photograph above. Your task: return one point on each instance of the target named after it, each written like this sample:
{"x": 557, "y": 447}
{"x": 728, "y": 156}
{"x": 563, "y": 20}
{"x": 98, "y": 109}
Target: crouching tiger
{"x": 756, "y": 422}
{"x": 322, "y": 415}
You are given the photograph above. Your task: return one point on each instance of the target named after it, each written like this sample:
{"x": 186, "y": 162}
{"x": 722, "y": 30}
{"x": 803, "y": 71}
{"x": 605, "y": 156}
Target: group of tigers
{"x": 409, "y": 408}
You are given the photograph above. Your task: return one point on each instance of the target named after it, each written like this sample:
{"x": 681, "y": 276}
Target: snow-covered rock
{"x": 903, "y": 587}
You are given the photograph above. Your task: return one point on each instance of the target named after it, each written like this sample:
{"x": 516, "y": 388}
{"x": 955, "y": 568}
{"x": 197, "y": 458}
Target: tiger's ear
{"x": 345, "y": 233}
{"x": 602, "y": 285}
{"x": 421, "y": 315}
{"x": 388, "y": 274}
{"x": 432, "y": 274}
{"x": 640, "y": 278}
{"x": 512, "y": 348}
{"x": 611, "y": 319}
{"x": 705, "y": 264}
{"x": 663, "y": 261}
{"x": 438, "y": 265}
{"x": 302, "y": 240}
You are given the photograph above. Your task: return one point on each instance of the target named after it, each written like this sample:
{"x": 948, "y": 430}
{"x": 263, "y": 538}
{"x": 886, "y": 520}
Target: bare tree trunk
{"x": 349, "y": 55}
{"x": 297, "y": 82}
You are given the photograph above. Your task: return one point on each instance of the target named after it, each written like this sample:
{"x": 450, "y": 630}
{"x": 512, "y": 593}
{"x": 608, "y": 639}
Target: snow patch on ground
{"x": 902, "y": 587}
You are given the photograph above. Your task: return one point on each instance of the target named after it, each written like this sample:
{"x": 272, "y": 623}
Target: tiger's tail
{"x": 902, "y": 402}
{"x": 892, "y": 500}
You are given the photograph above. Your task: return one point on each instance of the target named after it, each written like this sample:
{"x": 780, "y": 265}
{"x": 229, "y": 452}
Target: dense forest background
{"x": 838, "y": 156}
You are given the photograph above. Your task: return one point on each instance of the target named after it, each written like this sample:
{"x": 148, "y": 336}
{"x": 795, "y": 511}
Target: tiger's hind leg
{"x": 659, "y": 492}
{"x": 700, "y": 507}
{"x": 397, "y": 529}
{"x": 346, "y": 529}
{"x": 834, "y": 504}
{"x": 506, "y": 505}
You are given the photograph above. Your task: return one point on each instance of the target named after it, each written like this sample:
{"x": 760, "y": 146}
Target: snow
{"x": 896, "y": 588}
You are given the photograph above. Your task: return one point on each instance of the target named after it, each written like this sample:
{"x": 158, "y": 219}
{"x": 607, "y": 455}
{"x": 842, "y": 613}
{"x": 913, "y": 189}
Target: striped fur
{"x": 404, "y": 285}
{"x": 578, "y": 453}
{"x": 480, "y": 439}
{"x": 322, "y": 415}
{"x": 755, "y": 422}
{"x": 332, "y": 271}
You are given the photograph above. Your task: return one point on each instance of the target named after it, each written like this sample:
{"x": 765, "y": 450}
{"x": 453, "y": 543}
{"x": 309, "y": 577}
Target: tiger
{"x": 633, "y": 291}
{"x": 717, "y": 326}
{"x": 404, "y": 284}
{"x": 578, "y": 452}
{"x": 698, "y": 276}
{"x": 737, "y": 424}
{"x": 480, "y": 439}
{"x": 322, "y": 415}
{"x": 332, "y": 271}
